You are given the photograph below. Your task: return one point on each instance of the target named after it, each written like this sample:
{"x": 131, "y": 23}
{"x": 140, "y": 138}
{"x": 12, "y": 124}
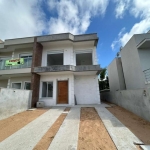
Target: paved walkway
{"x": 29, "y": 136}
{"x": 67, "y": 136}
{"x": 123, "y": 138}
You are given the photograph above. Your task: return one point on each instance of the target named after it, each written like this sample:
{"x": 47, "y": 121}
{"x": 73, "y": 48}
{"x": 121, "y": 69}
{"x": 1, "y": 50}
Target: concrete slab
{"x": 27, "y": 137}
{"x": 145, "y": 147}
{"x": 67, "y": 136}
{"x": 123, "y": 138}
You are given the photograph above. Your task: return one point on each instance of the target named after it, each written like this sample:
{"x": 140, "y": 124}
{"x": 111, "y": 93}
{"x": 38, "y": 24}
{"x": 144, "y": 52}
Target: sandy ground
{"x": 138, "y": 126}
{"x": 46, "y": 140}
{"x": 14, "y": 123}
{"x": 92, "y": 132}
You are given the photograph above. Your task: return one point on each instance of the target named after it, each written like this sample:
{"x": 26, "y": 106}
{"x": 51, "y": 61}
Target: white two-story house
{"x": 60, "y": 69}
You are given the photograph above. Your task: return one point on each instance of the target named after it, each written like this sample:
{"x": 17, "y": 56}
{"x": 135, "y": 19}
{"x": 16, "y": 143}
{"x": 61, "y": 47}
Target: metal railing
{"x": 147, "y": 75}
{"x": 27, "y": 64}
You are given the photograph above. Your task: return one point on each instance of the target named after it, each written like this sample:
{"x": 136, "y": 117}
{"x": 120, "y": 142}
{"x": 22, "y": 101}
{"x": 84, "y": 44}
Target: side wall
{"x": 136, "y": 101}
{"x": 14, "y": 101}
{"x": 115, "y": 74}
{"x": 3, "y": 83}
{"x": 144, "y": 58}
{"x": 132, "y": 69}
{"x": 86, "y": 89}
{"x": 54, "y": 78}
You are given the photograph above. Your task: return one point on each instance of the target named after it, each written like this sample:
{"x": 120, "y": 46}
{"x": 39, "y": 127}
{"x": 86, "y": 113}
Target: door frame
{"x": 57, "y": 92}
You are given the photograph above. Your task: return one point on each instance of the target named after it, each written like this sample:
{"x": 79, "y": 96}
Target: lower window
{"x": 16, "y": 85}
{"x": 27, "y": 86}
{"x": 47, "y": 89}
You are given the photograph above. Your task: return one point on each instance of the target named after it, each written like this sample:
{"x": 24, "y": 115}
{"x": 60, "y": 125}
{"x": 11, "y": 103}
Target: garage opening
{"x": 55, "y": 59}
{"x": 84, "y": 59}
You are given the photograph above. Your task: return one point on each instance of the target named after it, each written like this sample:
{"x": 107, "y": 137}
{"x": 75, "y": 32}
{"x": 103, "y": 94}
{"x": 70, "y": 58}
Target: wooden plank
{"x": 62, "y": 92}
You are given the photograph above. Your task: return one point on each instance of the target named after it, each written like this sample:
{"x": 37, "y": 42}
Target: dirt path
{"x": 138, "y": 126}
{"x": 46, "y": 140}
{"x": 14, "y": 123}
{"x": 92, "y": 133}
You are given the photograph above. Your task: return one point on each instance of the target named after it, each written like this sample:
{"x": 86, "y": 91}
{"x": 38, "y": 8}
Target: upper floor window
{"x": 55, "y": 58}
{"x": 84, "y": 59}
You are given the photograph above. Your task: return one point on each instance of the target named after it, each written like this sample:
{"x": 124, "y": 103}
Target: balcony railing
{"x": 27, "y": 64}
{"x": 147, "y": 75}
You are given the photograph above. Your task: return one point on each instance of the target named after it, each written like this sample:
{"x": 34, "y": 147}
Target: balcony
{"x": 62, "y": 68}
{"x": 27, "y": 64}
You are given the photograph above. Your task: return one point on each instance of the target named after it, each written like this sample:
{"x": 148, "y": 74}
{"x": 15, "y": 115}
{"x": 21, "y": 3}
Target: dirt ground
{"x": 138, "y": 126}
{"x": 46, "y": 140}
{"x": 92, "y": 132}
{"x": 14, "y": 123}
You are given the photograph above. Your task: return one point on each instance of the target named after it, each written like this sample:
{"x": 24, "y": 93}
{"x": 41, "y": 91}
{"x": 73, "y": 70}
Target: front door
{"x": 62, "y": 96}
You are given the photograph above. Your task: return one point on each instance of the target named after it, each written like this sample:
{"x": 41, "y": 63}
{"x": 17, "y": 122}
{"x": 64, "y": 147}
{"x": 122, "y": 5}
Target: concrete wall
{"x": 3, "y": 83}
{"x": 51, "y": 101}
{"x": 134, "y": 77}
{"x": 136, "y": 101}
{"x": 13, "y": 101}
{"x": 115, "y": 74}
{"x": 86, "y": 89}
{"x": 144, "y": 55}
{"x": 20, "y": 79}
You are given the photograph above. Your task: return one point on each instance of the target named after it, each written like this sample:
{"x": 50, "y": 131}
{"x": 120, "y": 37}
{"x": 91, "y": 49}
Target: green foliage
{"x": 103, "y": 84}
{"x": 102, "y": 74}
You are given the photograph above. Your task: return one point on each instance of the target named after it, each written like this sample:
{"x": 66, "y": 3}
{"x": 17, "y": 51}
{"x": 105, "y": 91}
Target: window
{"x": 27, "y": 86}
{"x": 27, "y": 59}
{"x": 16, "y": 85}
{"x": 84, "y": 59}
{"x": 55, "y": 59}
{"x": 47, "y": 89}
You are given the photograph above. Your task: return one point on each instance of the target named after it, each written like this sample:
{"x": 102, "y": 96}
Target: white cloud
{"x": 75, "y": 17}
{"x": 20, "y": 18}
{"x": 121, "y": 7}
{"x": 138, "y": 9}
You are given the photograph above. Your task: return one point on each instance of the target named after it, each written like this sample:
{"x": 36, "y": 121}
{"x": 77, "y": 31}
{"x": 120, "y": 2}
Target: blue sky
{"x": 115, "y": 21}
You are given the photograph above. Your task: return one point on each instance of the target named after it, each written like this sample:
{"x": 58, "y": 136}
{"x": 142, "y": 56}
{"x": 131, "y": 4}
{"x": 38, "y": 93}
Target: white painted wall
{"x": 69, "y": 52}
{"x": 14, "y": 101}
{"x": 54, "y": 78}
{"x": 3, "y": 83}
{"x": 144, "y": 55}
{"x": 20, "y": 79}
{"x": 86, "y": 89}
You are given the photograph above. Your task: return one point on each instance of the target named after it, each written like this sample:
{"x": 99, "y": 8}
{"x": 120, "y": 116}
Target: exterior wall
{"x": 20, "y": 79}
{"x": 144, "y": 55}
{"x": 86, "y": 89}
{"x": 69, "y": 52}
{"x": 67, "y": 49}
{"x": 115, "y": 74}
{"x": 136, "y": 101}
{"x": 35, "y": 79}
{"x": 132, "y": 69}
{"x": 14, "y": 101}
{"x": 21, "y": 51}
{"x": 54, "y": 78}
{"x": 3, "y": 83}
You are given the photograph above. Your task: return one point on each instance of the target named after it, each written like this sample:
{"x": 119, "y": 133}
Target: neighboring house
{"x": 58, "y": 68}
{"x": 132, "y": 70}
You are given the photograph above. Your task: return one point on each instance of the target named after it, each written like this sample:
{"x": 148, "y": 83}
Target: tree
{"x": 103, "y": 74}
{"x": 104, "y": 81}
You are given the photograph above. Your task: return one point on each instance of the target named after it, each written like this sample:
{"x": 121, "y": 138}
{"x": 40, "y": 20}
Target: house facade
{"x": 132, "y": 69}
{"x": 60, "y": 69}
